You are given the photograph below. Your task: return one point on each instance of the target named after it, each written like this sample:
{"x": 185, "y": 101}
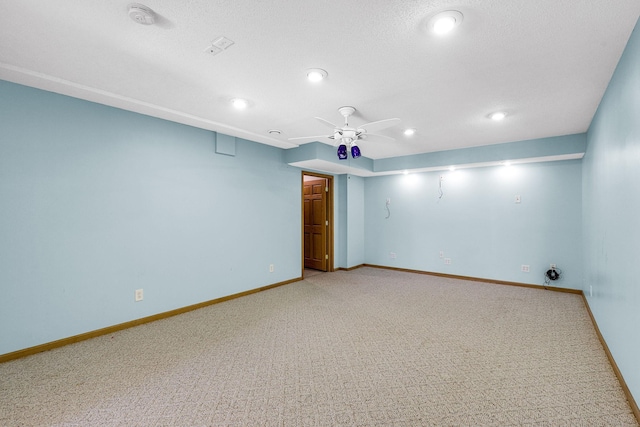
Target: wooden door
{"x": 315, "y": 224}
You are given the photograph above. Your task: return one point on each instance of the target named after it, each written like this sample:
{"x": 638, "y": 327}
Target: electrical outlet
{"x": 518, "y": 199}
{"x": 388, "y": 200}
{"x": 392, "y": 255}
{"x": 139, "y": 295}
{"x": 447, "y": 261}
{"x": 441, "y": 254}
{"x": 271, "y": 268}
{"x": 525, "y": 268}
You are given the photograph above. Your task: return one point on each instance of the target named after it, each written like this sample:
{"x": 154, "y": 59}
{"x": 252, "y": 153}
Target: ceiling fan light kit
{"x": 347, "y": 136}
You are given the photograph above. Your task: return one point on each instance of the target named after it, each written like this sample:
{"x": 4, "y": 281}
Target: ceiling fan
{"x": 346, "y": 137}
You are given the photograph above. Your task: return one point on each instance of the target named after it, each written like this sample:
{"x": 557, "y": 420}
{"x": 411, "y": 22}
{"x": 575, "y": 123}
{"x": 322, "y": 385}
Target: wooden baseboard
{"x": 115, "y": 328}
{"x": 476, "y": 279}
{"x": 350, "y": 268}
{"x": 111, "y": 329}
{"x": 614, "y": 365}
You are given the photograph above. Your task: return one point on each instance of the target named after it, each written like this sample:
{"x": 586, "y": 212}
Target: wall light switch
{"x": 139, "y": 295}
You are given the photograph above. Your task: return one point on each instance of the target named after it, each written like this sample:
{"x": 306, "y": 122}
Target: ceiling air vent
{"x": 141, "y": 14}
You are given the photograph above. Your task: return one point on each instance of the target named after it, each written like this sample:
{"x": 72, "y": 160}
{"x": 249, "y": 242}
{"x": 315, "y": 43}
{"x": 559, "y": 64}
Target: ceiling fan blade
{"x": 327, "y": 123}
{"x": 366, "y": 136}
{"x": 379, "y": 125}
{"x": 310, "y": 137}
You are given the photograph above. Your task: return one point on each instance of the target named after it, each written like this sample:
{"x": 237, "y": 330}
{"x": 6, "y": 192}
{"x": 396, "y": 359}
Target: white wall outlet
{"x": 271, "y": 268}
{"x": 392, "y": 255}
{"x": 518, "y": 199}
{"x": 447, "y": 261}
{"x": 139, "y": 295}
{"x": 525, "y": 268}
{"x": 441, "y": 254}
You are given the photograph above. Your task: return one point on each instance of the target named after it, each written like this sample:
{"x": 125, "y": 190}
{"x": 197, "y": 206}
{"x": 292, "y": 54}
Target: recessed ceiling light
{"x": 498, "y": 115}
{"x": 316, "y": 74}
{"x": 445, "y": 22}
{"x": 239, "y": 103}
{"x": 409, "y": 131}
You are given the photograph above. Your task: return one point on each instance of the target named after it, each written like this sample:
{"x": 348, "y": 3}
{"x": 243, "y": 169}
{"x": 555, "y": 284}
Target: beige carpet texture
{"x": 368, "y": 347}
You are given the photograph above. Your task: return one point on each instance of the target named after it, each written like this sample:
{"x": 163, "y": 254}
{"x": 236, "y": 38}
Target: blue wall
{"x": 98, "y": 202}
{"x": 477, "y": 224}
{"x": 355, "y": 221}
{"x": 611, "y": 212}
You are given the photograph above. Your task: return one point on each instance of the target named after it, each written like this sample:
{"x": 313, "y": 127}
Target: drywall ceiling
{"x": 546, "y": 63}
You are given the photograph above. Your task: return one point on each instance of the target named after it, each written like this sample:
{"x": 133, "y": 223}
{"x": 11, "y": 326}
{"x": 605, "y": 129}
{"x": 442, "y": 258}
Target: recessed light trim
{"x": 239, "y": 103}
{"x": 316, "y": 75}
{"x": 409, "y": 132}
{"x": 444, "y": 22}
{"x": 497, "y": 116}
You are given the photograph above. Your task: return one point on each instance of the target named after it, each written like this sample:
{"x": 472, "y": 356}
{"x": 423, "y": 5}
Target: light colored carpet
{"x": 368, "y": 347}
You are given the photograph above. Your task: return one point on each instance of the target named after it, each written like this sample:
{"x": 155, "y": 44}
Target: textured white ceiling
{"x": 545, "y": 62}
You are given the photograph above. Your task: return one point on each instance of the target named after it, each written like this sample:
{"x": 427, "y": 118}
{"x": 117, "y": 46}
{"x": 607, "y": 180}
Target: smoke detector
{"x": 141, "y": 14}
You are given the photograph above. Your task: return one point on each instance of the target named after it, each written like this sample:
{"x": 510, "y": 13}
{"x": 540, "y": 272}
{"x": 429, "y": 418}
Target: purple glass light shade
{"x": 355, "y": 151}
{"x": 342, "y": 152}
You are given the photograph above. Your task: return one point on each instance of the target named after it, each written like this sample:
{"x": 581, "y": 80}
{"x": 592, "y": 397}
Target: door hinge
{"x": 326, "y": 223}
{"x": 326, "y": 189}
{"x": 326, "y": 256}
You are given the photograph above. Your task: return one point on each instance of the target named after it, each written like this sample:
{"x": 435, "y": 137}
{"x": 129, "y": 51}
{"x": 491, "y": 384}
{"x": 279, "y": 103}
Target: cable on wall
{"x": 552, "y": 275}
{"x": 440, "y": 192}
{"x": 386, "y": 205}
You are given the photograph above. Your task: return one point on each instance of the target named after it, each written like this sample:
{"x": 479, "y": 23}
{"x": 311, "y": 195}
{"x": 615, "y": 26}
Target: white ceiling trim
{"x": 55, "y": 84}
{"x": 330, "y": 167}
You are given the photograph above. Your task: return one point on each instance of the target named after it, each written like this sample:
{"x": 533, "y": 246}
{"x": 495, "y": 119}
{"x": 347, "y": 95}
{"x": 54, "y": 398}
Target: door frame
{"x": 329, "y": 207}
